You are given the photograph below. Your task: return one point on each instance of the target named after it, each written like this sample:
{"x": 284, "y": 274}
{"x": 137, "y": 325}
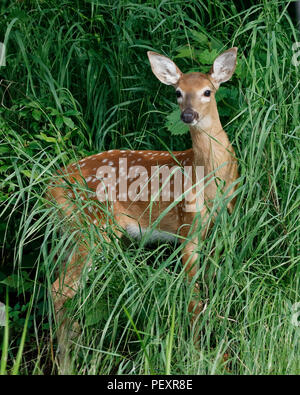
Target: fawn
{"x": 211, "y": 151}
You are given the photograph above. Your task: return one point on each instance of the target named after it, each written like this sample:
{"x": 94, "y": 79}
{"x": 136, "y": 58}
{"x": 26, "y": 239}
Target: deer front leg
{"x": 189, "y": 260}
{"x": 191, "y": 266}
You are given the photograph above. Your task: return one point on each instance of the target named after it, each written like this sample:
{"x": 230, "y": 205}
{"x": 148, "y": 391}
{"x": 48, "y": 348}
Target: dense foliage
{"x": 77, "y": 81}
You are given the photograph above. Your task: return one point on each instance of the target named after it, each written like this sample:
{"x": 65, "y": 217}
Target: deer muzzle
{"x": 189, "y": 115}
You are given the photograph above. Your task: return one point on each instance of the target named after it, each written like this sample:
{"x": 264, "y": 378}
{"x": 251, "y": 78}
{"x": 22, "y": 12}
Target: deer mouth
{"x": 189, "y": 116}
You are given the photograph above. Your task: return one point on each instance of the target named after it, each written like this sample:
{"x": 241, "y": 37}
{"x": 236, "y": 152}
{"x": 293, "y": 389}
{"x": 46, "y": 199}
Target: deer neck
{"x": 211, "y": 146}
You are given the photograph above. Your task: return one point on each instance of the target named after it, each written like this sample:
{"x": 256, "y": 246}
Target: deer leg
{"x": 64, "y": 288}
{"x": 189, "y": 260}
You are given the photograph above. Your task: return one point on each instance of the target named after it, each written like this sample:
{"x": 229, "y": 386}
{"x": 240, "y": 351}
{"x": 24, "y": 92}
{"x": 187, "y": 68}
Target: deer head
{"x": 195, "y": 92}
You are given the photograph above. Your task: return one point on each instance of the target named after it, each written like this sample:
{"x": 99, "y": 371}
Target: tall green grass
{"x": 78, "y": 81}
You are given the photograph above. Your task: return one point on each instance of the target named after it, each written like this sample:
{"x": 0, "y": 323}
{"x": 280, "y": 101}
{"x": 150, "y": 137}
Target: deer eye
{"x": 178, "y": 94}
{"x": 207, "y": 93}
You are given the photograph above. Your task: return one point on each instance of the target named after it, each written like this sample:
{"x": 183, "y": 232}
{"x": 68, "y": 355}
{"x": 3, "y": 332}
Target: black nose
{"x": 188, "y": 115}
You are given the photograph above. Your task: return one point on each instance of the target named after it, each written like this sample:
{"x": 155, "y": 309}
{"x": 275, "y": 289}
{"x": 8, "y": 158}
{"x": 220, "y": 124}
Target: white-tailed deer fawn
{"x": 122, "y": 178}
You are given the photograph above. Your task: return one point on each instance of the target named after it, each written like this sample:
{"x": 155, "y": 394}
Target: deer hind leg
{"x": 64, "y": 288}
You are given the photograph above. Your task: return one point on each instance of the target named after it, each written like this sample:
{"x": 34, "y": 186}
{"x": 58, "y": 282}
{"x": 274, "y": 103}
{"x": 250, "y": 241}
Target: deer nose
{"x": 189, "y": 115}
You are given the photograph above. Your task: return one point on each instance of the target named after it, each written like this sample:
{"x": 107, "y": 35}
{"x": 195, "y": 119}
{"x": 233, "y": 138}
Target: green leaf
{"x": 228, "y": 93}
{"x": 34, "y": 104}
{"x": 4, "y": 149}
{"x": 30, "y": 174}
{"x": 53, "y": 111}
{"x": 67, "y": 136}
{"x": 68, "y": 121}
{"x": 216, "y": 44}
{"x": 44, "y": 137}
{"x": 222, "y": 92}
{"x": 4, "y": 168}
{"x": 72, "y": 112}
{"x": 59, "y": 121}
{"x": 206, "y": 56}
{"x": 26, "y": 173}
{"x": 185, "y": 52}
{"x": 238, "y": 70}
{"x": 19, "y": 281}
{"x": 201, "y": 38}
{"x": 174, "y": 124}
{"x": 96, "y": 314}
{"x": 225, "y": 111}
{"x": 11, "y": 281}
{"x": 99, "y": 18}
{"x": 93, "y": 318}
{"x": 36, "y": 114}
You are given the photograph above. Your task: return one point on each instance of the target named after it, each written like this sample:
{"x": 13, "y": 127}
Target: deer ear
{"x": 164, "y": 69}
{"x": 223, "y": 66}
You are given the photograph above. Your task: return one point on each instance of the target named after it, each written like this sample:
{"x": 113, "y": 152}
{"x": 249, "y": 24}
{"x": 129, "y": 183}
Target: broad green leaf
{"x": 185, "y": 52}
{"x": 11, "y": 281}
{"x": 228, "y": 93}
{"x": 206, "y": 56}
{"x": 68, "y": 121}
{"x": 53, "y": 111}
{"x": 71, "y": 112}
{"x": 174, "y": 124}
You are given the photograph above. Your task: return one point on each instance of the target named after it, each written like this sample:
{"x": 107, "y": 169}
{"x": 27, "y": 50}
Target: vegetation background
{"x": 77, "y": 81}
